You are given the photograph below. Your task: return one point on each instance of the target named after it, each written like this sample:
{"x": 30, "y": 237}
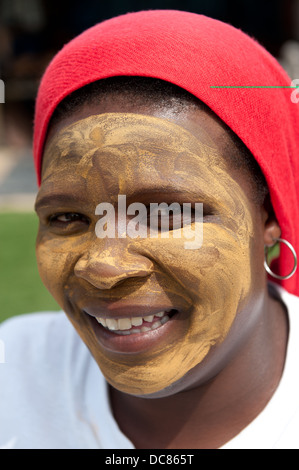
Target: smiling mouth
{"x": 136, "y": 325}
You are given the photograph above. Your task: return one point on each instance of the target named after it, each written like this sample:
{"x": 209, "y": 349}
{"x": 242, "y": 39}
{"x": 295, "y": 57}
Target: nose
{"x": 105, "y": 266}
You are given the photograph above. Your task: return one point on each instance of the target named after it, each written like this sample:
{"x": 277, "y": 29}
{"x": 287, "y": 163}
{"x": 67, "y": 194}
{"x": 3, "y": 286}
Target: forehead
{"x": 78, "y": 131}
{"x": 195, "y": 118}
{"x": 144, "y": 157}
{"x": 123, "y": 150}
{"x": 140, "y": 135}
{"x": 101, "y": 156}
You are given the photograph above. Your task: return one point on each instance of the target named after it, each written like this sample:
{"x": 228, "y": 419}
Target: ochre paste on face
{"x": 102, "y": 156}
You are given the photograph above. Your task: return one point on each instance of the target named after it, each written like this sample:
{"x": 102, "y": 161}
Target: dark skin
{"x": 214, "y": 400}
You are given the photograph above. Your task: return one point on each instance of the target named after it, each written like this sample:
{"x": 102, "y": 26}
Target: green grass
{"x": 21, "y": 289}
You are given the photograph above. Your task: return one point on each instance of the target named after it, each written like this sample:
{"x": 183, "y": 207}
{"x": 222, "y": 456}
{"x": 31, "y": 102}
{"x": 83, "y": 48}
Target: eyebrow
{"x": 57, "y": 199}
{"x": 167, "y": 191}
{"x": 62, "y": 199}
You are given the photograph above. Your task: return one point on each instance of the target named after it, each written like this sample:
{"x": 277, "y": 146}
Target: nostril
{"x": 105, "y": 272}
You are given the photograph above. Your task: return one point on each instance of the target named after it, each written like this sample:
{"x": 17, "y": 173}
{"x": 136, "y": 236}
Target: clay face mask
{"x": 149, "y": 160}
{"x": 157, "y": 217}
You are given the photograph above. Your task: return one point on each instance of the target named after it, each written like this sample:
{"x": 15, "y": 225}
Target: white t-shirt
{"x": 53, "y": 395}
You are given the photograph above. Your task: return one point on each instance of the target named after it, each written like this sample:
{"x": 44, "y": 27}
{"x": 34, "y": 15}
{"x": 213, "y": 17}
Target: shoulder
{"x": 290, "y": 301}
{"x": 288, "y": 390}
{"x": 34, "y": 335}
{"x": 37, "y": 345}
{"x": 42, "y": 382}
{"x": 27, "y": 322}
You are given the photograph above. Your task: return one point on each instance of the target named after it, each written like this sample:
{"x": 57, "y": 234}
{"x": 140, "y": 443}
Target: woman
{"x": 186, "y": 348}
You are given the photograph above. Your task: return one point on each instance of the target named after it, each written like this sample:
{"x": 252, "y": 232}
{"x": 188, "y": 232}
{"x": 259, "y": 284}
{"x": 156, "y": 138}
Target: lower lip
{"x": 135, "y": 342}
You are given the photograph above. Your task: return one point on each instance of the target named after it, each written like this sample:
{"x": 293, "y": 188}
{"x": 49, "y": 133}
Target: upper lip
{"x": 125, "y": 310}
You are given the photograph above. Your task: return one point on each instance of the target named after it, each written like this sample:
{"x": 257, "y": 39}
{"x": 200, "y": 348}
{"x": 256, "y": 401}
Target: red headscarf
{"x": 195, "y": 53}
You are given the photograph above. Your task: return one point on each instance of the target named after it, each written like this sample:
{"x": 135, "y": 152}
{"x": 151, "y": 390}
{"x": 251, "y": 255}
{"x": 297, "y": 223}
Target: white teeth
{"x": 160, "y": 314}
{"x": 144, "y": 329}
{"x": 149, "y": 318}
{"x": 102, "y": 321}
{"x": 112, "y": 324}
{"x": 164, "y": 319}
{"x": 126, "y": 326}
{"x": 137, "y": 321}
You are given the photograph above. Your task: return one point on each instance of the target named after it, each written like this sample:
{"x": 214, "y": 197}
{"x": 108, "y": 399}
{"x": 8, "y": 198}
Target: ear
{"x": 271, "y": 229}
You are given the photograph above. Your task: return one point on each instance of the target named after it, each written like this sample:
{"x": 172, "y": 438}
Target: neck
{"x": 210, "y": 415}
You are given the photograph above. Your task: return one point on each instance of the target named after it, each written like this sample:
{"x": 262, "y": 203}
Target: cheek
{"x": 215, "y": 280}
{"x": 218, "y": 272}
{"x": 224, "y": 282}
{"x": 55, "y": 260}
{"x": 212, "y": 280}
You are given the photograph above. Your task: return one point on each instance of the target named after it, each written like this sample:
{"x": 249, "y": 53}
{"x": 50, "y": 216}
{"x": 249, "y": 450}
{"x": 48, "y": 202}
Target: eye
{"x": 171, "y": 217}
{"x": 68, "y": 219}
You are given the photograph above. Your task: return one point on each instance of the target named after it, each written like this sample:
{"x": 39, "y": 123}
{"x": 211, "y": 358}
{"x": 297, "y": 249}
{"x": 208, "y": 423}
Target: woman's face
{"x": 213, "y": 293}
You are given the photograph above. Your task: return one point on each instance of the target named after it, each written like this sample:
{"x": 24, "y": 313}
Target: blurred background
{"x": 31, "y": 32}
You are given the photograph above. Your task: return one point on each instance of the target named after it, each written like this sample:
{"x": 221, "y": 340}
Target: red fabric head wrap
{"x": 194, "y": 52}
